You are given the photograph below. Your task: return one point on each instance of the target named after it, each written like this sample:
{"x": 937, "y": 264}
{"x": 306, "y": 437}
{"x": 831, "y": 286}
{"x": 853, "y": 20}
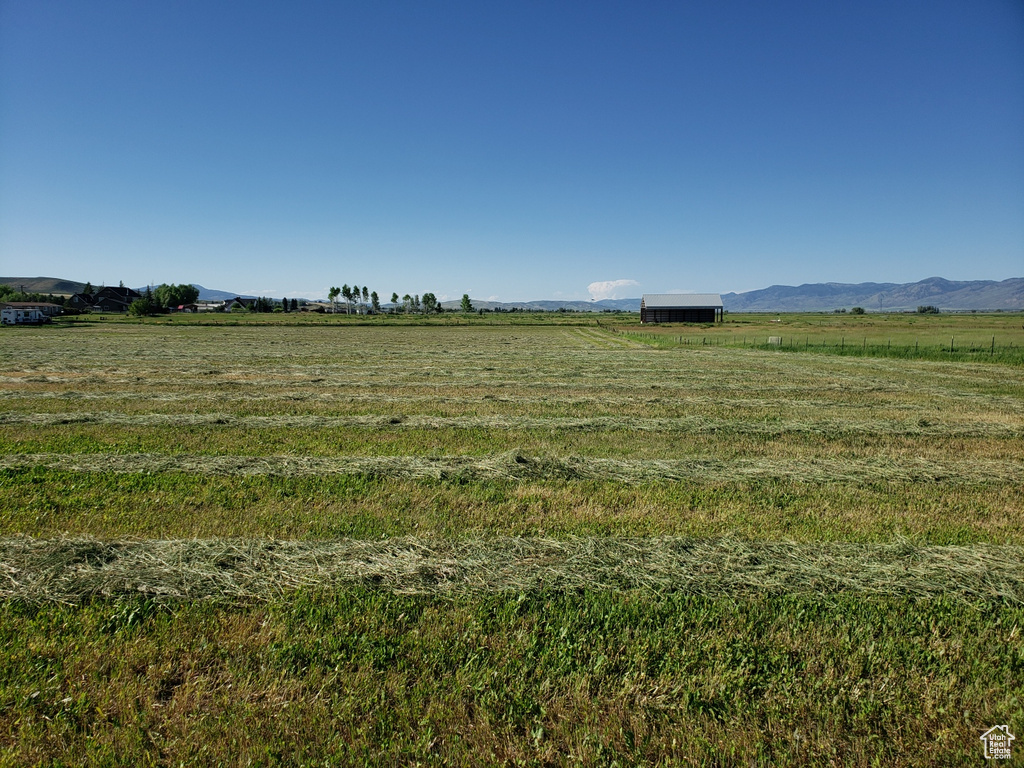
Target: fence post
{"x": 951, "y": 345}
{"x": 993, "y": 351}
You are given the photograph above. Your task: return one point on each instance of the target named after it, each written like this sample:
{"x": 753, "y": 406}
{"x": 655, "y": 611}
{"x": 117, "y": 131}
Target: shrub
{"x": 141, "y": 307}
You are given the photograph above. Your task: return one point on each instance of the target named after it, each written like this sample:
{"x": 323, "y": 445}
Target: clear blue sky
{"x": 518, "y": 150}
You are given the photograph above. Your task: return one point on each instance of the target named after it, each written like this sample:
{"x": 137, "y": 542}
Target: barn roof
{"x": 681, "y": 300}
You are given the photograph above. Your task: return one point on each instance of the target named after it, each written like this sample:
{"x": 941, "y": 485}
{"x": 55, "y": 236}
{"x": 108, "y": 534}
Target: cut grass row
{"x": 515, "y": 467}
{"x": 773, "y": 427}
{"x": 230, "y": 571}
{"x": 895, "y": 444}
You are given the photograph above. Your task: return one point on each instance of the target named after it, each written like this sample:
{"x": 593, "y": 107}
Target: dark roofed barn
{"x": 681, "y": 308}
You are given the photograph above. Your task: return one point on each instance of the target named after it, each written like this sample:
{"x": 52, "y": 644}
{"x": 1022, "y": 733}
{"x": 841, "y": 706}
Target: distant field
{"x": 960, "y": 337}
{"x": 499, "y": 539}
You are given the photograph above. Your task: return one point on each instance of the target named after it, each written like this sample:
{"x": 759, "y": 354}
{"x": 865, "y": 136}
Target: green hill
{"x": 43, "y": 285}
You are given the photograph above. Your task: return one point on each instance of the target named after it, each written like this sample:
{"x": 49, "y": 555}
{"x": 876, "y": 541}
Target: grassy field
{"x": 510, "y": 541}
{"x": 993, "y": 337}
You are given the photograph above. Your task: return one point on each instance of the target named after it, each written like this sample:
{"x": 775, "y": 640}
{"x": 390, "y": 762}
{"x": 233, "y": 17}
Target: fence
{"x": 1008, "y": 352}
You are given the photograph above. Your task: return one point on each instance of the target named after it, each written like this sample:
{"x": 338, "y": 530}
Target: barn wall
{"x": 678, "y": 315}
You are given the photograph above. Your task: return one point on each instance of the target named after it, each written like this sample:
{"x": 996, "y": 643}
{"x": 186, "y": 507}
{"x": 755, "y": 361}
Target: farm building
{"x": 681, "y": 308}
{"x": 109, "y": 299}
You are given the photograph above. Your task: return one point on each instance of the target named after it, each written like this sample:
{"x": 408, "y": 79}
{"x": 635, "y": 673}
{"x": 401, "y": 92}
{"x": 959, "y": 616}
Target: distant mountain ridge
{"x": 208, "y": 294}
{"x": 949, "y": 295}
{"x": 882, "y": 297}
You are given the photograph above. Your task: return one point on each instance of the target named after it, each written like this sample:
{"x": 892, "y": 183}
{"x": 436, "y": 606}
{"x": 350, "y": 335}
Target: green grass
{"x": 45, "y": 502}
{"x": 511, "y": 443}
{"x": 993, "y": 338}
{"x": 364, "y": 677}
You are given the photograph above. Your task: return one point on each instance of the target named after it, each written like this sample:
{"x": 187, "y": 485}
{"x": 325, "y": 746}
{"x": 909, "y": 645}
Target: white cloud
{"x": 610, "y": 289}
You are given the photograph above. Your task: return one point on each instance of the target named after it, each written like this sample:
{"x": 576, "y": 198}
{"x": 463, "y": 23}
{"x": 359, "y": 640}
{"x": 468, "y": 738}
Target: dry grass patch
{"x": 73, "y": 571}
{"x": 514, "y": 466}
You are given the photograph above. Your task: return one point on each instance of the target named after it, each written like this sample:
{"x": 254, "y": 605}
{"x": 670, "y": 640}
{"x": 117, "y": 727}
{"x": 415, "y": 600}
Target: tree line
{"x": 165, "y": 295}
{"x": 363, "y": 301}
{"x": 357, "y": 300}
{"x": 8, "y": 293}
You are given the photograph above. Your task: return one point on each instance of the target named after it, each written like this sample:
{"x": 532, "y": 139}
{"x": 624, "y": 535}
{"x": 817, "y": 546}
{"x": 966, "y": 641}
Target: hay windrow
{"x": 690, "y": 425}
{"x": 73, "y": 571}
{"x": 514, "y": 466}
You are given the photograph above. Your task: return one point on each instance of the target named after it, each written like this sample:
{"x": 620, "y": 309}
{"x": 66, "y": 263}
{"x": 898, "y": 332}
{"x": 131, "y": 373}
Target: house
{"x": 114, "y": 299}
{"x": 681, "y": 308}
{"x": 81, "y": 301}
{"x": 109, "y": 299}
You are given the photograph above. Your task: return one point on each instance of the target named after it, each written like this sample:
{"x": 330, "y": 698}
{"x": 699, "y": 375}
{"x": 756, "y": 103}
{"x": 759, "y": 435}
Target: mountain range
{"x": 945, "y": 294}
{"x": 882, "y": 297}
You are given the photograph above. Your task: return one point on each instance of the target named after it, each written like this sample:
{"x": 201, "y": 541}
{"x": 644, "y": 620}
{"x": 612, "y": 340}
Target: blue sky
{"x": 512, "y": 151}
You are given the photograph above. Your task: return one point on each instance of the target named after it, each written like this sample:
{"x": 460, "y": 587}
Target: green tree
{"x": 170, "y": 295}
{"x": 375, "y": 302}
{"x": 429, "y": 303}
{"x": 333, "y": 296}
{"x": 284, "y": 304}
{"x": 346, "y": 294}
{"x": 394, "y": 302}
{"x": 857, "y": 311}
{"x": 141, "y": 307}
{"x": 366, "y": 297}
{"x": 467, "y": 305}
{"x": 295, "y": 305}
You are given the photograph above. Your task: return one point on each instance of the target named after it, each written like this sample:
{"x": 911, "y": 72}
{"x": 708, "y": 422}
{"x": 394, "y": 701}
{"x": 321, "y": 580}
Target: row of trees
{"x": 363, "y": 301}
{"x": 165, "y": 295}
{"x": 8, "y": 293}
{"x": 359, "y": 300}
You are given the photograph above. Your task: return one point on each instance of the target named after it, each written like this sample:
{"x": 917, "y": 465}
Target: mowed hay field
{"x": 501, "y": 544}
